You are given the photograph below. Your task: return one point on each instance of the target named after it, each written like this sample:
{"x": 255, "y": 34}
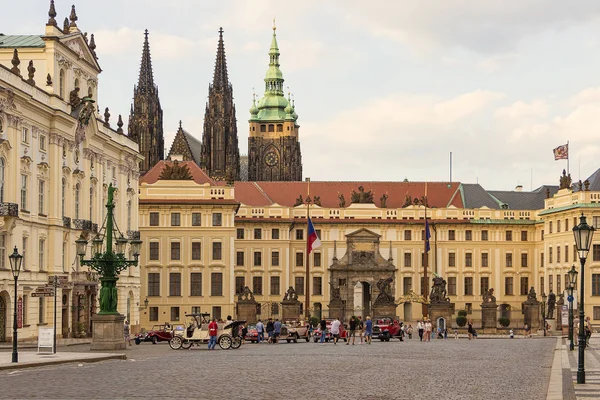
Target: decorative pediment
{"x": 66, "y": 170}
{"x": 363, "y": 233}
{"x": 43, "y": 169}
{"x": 4, "y": 148}
{"x": 176, "y": 172}
{"x": 79, "y": 173}
{"x": 78, "y": 45}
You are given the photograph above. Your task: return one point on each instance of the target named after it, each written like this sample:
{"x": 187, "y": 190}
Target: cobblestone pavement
{"x": 448, "y": 369}
{"x": 591, "y": 388}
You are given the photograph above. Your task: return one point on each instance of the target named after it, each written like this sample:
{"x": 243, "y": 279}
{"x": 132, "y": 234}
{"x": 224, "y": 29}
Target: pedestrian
{"x": 470, "y": 329}
{"x": 420, "y": 329}
{"x": 368, "y": 330}
{"x": 352, "y": 334}
{"x": 428, "y": 328}
{"x": 527, "y": 331}
{"x": 260, "y": 331}
{"x": 588, "y": 331}
{"x": 440, "y": 335}
{"x": 335, "y": 330}
{"x": 323, "y": 327}
{"x": 212, "y": 332}
{"x": 127, "y": 332}
{"x": 456, "y": 334}
{"x": 361, "y": 328}
{"x": 446, "y": 333}
{"x": 511, "y": 334}
{"x": 276, "y": 330}
{"x": 243, "y": 332}
{"x": 270, "y": 327}
{"x": 409, "y": 331}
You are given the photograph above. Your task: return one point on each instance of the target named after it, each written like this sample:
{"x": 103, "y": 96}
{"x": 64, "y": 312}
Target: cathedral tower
{"x": 220, "y": 152}
{"x": 273, "y": 146}
{"x": 146, "y": 117}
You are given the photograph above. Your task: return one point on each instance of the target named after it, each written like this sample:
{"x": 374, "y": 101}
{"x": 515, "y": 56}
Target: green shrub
{"x": 314, "y": 321}
{"x": 504, "y": 321}
{"x": 462, "y": 313}
{"x": 461, "y": 320}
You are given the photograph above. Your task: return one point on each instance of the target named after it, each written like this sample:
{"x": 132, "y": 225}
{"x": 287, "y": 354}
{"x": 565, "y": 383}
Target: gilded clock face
{"x": 271, "y": 159}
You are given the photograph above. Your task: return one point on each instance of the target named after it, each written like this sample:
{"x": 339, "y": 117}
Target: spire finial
{"x": 146, "y": 34}
{"x": 220, "y": 78}
{"x": 30, "y": 73}
{"x": 120, "y": 124}
{"x": 274, "y": 26}
{"x": 73, "y": 17}
{"x": 15, "y": 62}
{"x": 106, "y": 117}
{"x": 51, "y": 14}
{"x": 66, "y": 26}
{"x": 180, "y": 125}
{"x": 221, "y": 32}
{"x": 146, "y": 79}
{"x": 92, "y": 46}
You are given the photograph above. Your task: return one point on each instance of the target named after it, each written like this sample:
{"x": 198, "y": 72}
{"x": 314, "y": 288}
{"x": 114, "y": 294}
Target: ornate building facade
{"x": 146, "y": 116}
{"x": 57, "y": 158}
{"x": 220, "y": 152}
{"x": 273, "y": 143}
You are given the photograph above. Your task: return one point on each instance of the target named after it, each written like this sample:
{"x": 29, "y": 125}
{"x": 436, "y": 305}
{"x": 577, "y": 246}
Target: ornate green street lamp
{"x": 571, "y": 285}
{"x": 15, "y": 266}
{"x": 110, "y": 263}
{"x": 583, "y": 240}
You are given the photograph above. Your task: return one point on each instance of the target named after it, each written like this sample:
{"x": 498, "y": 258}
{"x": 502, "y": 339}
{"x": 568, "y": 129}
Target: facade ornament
{"x": 30, "y": 73}
{"x": 565, "y": 180}
{"x": 15, "y": 63}
{"x": 385, "y": 292}
{"x": 66, "y": 26}
{"x": 73, "y": 17}
{"x": 317, "y": 201}
{"x": 246, "y": 296}
{"x": 361, "y": 196}
{"x": 299, "y": 201}
{"x": 106, "y": 117}
{"x": 51, "y": 14}
{"x": 7, "y": 103}
{"x": 48, "y": 80}
{"x": 342, "y": 200}
{"x": 83, "y": 119}
{"x": 580, "y": 185}
{"x": 586, "y": 184}
{"x": 438, "y": 291}
{"x": 120, "y": 125}
{"x": 383, "y": 200}
{"x": 176, "y": 172}
{"x": 336, "y": 294}
{"x": 74, "y": 99}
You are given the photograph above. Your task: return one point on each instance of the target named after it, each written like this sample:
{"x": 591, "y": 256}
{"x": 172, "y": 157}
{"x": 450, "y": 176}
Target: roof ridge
{"x": 262, "y": 192}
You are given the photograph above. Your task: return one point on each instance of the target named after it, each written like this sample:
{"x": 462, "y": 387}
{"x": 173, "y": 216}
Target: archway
{"x": 4, "y": 301}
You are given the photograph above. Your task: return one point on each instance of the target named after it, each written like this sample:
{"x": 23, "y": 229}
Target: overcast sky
{"x": 384, "y": 90}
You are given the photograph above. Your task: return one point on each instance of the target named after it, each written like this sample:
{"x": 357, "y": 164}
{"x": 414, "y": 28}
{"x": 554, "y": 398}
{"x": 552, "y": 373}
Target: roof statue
{"x": 177, "y": 171}
{"x": 565, "y": 180}
{"x": 361, "y": 196}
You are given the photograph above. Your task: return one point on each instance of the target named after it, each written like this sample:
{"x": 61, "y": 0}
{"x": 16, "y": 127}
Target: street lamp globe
{"x": 583, "y": 237}
{"x": 80, "y": 245}
{"x": 572, "y": 274}
{"x": 136, "y": 245}
{"x": 15, "y": 263}
{"x": 121, "y": 244}
{"x": 97, "y": 245}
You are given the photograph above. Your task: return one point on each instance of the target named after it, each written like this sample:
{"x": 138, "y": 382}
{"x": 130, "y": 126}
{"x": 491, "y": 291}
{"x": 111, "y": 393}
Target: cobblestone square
{"x": 448, "y": 369}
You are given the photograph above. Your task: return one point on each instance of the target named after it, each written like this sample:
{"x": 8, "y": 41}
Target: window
{"x": 299, "y": 234}
{"x": 216, "y": 284}
{"x": 524, "y": 260}
{"x": 175, "y": 251}
{"x": 24, "y": 192}
{"x": 174, "y": 313}
{"x": 257, "y": 233}
{"x": 153, "y": 314}
{"x": 508, "y": 286}
{"x": 596, "y": 312}
{"x": 217, "y": 219}
{"x": 263, "y": 128}
{"x": 153, "y": 219}
{"x": 240, "y": 233}
{"x": 451, "y": 234}
{"x": 550, "y": 255}
{"x": 407, "y": 235}
{"x": 196, "y": 219}
{"x": 484, "y": 235}
{"x": 275, "y": 285}
{"x": 524, "y": 285}
{"x": 542, "y": 235}
{"x": 406, "y": 285}
{"x": 257, "y": 285}
{"x": 196, "y": 251}
{"x": 407, "y": 260}
{"x": 41, "y": 196}
{"x": 216, "y": 312}
{"x": 566, "y": 253}
{"x": 299, "y": 285}
{"x": 275, "y": 259}
{"x": 484, "y": 260}
{"x": 274, "y": 233}
{"x": 596, "y": 222}
{"x": 239, "y": 259}
{"x": 469, "y": 308}
{"x": 24, "y": 254}
{"x": 42, "y": 252}
{"x": 271, "y": 128}
{"x": 240, "y": 282}
{"x": 509, "y": 260}
{"x": 196, "y": 284}
{"x": 558, "y": 285}
{"x": 154, "y": 284}
{"x": 317, "y": 286}
{"x": 468, "y": 259}
{"x": 41, "y": 310}
{"x": 316, "y": 259}
{"x": 542, "y": 259}
{"x": 557, "y": 254}
{"x": 595, "y": 284}
{"x": 508, "y": 236}
{"x": 484, "y": 283}
{"x": 452, "y": 286}
{"x": 25, "y": 135}
{"x": 558, "y": 226}
{"x": 2, "y": 251}
{"x": 175, "y": 284}
{"x": 550, "y": 227}
{"x": 468, "y": 235}
{"x": 299, "y": 259}
{"x": 468, "y": 286}
{"x": 61, "y": 83}
{"x": 318, "y": 232}
{"x": 175, "y": 219}
{"x": 542, "y": 285}
{"x": 452, "y": 259}
{"x": 596, "y": 252}
{"x": 216, "y": 250}
{"x": 550, "y": 282}
{"x": 154, "y": 252}
{"x": 523, "y": 236}
{"x": 77, "y": 199}
{"x": 257, "y": 258}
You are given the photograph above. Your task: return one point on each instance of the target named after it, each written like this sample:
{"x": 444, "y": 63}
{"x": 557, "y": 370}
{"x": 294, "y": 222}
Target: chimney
{"x": 519, "y": 188}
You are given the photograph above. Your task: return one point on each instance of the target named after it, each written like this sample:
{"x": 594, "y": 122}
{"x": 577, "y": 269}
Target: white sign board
{"x": 565, "y": 315}
{"x": 46, "y": 338}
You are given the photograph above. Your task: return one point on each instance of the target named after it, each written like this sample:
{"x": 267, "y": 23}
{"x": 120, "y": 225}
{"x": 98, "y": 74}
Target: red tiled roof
{"x": 439, "y": 194}
{"x": 200, "y": 177}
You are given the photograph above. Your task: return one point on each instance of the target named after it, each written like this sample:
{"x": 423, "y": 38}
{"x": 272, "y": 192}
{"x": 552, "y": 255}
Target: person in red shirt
{"x": 212, "y": 331}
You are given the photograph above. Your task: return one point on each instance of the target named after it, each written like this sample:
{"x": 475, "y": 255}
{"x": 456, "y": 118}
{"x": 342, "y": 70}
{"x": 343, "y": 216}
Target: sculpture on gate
{"x": 385, "y": 291}
{"x": 438, "y": 291}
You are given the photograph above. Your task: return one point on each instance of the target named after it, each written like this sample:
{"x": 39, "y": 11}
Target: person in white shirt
{"x": 420, "y": 329}
{"x": 428, "y": 328}
{"x": 335, "y": 330}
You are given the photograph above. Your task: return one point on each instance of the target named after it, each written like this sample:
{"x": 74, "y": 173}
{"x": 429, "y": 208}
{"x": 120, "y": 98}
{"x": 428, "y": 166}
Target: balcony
{"x": 67, "y": 222}
{"x": 9, "y": 210}
{"x": 82, "y": 224}
{"x": 95, "y": 228}
{"x": 131, "y": 235}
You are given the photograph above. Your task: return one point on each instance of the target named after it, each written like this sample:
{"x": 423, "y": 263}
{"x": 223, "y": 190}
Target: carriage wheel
{"x": 175, "y": 342}
{"x": 225, "y": 342}
{"x": 236, "y": 343}
{"x": 186, "y": 344}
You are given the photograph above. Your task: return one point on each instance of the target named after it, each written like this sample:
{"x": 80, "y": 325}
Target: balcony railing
{"x": 67, "y": 222}
{"x": 9, "y": 210}
{"x": 82, "y": 224}
{"x": 131, "y": 235}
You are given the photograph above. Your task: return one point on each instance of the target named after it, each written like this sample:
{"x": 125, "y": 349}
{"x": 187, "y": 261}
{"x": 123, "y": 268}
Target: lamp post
{"x": 583, "y": 240}
{"x": 108, "y": 264}
{"x": 15, "y": 266}
{"x": 544, "y": 298}
{"x": 572, "y": 284}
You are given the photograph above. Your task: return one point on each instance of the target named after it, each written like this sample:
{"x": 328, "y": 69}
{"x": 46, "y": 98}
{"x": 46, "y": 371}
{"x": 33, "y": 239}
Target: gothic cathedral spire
{"x": 146, "y": 117}
{"x": 220, "y": 152}
{"x": 273, "y": 145}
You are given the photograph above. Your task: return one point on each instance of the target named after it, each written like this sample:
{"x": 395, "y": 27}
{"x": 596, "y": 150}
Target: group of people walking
{"x": 273, "y": 330}
{"x": 356, "y": 325}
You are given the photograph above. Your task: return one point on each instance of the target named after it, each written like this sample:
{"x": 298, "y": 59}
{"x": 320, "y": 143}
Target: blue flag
{"x": 427, "y": 236}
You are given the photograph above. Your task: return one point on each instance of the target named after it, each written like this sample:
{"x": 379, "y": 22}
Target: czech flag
{"x": 313, "y": 240}
{"x": 427, "y": 236}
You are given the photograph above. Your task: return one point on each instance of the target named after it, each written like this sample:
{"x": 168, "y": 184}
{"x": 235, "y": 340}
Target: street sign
{"x": 42, "y": 293}
{"x": 63, "y": 281}
{"x": 570, "y": 298}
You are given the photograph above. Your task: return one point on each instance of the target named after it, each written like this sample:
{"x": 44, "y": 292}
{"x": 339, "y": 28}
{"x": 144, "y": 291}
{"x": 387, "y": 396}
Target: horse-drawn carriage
{"x": 196, "y": 333}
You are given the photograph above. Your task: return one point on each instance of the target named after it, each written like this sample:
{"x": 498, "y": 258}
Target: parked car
{"x": 252, "y": 334}
{"x": 158, "y": 333}
{"x": 386, "y": 328}
{"x": 317, "y": 332}
{"x": 197, "y": 333}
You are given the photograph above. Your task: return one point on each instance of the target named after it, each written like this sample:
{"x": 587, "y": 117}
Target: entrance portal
{"x": 408, "y": 312}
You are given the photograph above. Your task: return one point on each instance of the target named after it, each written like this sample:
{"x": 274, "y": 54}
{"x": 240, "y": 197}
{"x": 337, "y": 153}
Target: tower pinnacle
{"x": 220, "y": 78}
{"x": 146, "y": 79}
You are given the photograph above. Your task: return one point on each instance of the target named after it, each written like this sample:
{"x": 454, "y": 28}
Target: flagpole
{"x": 307, "y": 283}
{"x": 425, "y": 309}
{"x": 568, "y": 158}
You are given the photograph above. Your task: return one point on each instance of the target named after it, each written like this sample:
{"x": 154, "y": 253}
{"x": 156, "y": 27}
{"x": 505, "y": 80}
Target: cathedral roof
{"x": 199, "y": 176}
{"x": 19, "y": 41}
{"x": 186, "y": 141}
{"x": 146, "y": 78}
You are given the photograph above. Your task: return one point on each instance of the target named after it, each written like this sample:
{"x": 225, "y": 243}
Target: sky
{"x": 384, "y": 90}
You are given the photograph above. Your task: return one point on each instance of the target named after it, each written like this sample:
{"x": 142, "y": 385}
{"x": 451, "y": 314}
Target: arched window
{"x": 76, "y": 83}
{"x": 2, "y": 180}
{"x": 62, "y": 193}
{"x": 91, "y": 204}
{"x": 271, "y": 128}
{"x": 61, "y": 83}
{"x": 263, "y": 128}
{"x": 77, "y": 196}
{"x": 279, "y": 128}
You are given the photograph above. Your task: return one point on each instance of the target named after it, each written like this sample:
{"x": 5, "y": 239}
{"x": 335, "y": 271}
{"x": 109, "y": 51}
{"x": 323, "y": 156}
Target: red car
{"x": 386, "y": 328}
{"x": 158, "y": 333}
{"x": 317, "y": 332}
{"x": 252, "y": 334}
